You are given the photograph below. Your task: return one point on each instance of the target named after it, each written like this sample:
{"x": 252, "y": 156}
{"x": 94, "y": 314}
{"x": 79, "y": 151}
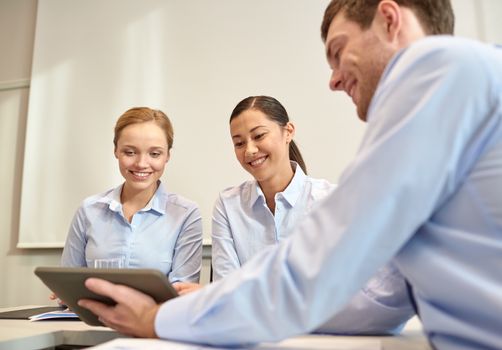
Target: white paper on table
{"x": 59, "y": 315}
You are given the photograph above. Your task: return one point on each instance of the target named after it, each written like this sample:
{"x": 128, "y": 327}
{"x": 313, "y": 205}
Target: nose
{"x": 141, "y": 161}
{"x": 251, "y": 149}
{"x": 335, "y": 82}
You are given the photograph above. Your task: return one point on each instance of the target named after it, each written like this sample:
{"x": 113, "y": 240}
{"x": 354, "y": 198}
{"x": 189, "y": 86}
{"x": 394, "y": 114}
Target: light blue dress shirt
{"x": 244, "y": 226}
{"x": 165, "y": 235}
{"x": 425, "y": 187}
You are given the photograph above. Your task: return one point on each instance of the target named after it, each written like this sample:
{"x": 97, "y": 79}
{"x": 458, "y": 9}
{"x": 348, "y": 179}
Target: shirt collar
{"x": 157, "y": 203}
{"x": 292, "y": 192}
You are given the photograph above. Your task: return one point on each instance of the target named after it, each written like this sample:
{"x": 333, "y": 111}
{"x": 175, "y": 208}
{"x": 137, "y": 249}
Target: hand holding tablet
{"x": 68, "y": 284}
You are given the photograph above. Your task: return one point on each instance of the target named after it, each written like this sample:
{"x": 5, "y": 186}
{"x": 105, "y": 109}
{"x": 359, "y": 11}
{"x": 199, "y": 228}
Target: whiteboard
{"x": 194, "y": 60}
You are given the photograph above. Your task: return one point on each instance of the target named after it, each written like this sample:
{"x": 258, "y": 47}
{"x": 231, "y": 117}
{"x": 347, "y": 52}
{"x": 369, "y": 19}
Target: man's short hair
{"x": 435, "y": 16}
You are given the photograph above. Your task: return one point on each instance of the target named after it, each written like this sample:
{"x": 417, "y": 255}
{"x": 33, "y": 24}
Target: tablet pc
{"x": 68, "y": 284}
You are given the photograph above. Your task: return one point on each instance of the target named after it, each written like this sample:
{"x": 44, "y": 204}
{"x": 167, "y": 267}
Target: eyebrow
{"x": 150, "y": 148}
{"x": 253, "y": 129}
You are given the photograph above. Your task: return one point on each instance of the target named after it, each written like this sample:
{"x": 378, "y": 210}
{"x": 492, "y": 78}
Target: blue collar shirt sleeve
{"x": 425, "y": 188}
{"x": 243, "y": 226}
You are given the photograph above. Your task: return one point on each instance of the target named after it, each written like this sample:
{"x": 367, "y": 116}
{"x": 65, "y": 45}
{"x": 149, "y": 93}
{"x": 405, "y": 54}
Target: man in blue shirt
{"x": 425, "y": 189}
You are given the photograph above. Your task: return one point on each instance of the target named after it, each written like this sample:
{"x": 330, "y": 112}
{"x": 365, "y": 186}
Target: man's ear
{"x": 388, "y": 19}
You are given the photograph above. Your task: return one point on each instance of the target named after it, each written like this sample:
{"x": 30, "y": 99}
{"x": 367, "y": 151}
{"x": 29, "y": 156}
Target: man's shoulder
{"x": 442, "y": 54}
{"x": 445, "y": 49}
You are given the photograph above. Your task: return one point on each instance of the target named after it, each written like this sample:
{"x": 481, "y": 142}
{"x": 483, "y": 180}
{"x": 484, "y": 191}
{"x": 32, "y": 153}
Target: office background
{"x": 475, "y": 18}
{"x": 181, "y": 57}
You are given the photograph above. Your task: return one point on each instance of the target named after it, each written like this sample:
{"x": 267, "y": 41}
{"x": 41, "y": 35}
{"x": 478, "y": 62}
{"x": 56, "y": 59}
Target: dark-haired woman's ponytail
{"x": 296, "y": 156}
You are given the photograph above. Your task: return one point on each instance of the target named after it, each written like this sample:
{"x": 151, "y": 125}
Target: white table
{"x": 26, "y": 335}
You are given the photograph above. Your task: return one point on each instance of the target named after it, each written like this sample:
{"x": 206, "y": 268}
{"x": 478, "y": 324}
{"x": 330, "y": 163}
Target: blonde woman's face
{"x": 142, "y": 153}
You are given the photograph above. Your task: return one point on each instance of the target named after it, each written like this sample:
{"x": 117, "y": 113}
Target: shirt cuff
{"x": 172, "y": 319}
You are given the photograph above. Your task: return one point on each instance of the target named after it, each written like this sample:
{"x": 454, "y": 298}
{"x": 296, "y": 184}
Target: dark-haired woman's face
{"x": 261, "y": 145}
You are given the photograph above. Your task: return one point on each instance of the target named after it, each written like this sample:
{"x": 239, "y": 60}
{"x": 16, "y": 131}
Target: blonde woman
{"x": 139, "y": 222}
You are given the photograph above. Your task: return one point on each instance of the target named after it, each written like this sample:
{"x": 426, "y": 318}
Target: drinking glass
{"x": 112, "y": 263}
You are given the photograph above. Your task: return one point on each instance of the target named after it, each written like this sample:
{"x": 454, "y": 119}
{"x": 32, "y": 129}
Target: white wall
{"x": 17, "y": 24}
{"x": 89, "y": 67}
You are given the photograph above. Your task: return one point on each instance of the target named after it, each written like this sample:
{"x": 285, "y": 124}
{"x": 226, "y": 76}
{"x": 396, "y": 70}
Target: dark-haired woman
{"x": 260, "y": 212}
